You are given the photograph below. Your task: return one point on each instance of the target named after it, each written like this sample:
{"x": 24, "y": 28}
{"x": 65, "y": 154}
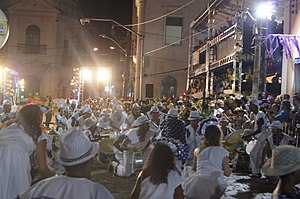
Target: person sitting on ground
{"x": 76, "y": 155}
{"x": 159, "y": 177}
{"x": 135, "y": 140}
{"x": 276, "y": 139}
{"x": 210, "y": 166}
{"x": 285, "y": 163}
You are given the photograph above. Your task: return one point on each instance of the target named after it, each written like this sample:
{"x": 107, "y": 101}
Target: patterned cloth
{"x": 174, "y": 128}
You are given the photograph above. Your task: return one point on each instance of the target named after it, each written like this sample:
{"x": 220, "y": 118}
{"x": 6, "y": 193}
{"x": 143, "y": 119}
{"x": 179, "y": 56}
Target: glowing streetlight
{"x": 264, "y": 10}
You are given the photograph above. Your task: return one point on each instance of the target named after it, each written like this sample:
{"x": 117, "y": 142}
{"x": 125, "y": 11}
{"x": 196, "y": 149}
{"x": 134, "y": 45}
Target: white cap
{"x": 88, "y": 123}
{"x": 154, "y": 109}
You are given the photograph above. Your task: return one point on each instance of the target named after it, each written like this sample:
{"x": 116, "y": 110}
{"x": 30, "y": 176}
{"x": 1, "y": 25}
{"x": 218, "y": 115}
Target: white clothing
{"x": 261, "y": 138}
{"x": 163, "y": 190}
{"x": 209, "y": 174}
{"x": 15, "y": 149}
{"x": 59, "y": 187}
{"x": 193, "y": 141}
{"x": 284, "y": 141}
{"x": 123, "y": 167}
{"x": 117, "y": 121}
{"x": 130, "y": 120}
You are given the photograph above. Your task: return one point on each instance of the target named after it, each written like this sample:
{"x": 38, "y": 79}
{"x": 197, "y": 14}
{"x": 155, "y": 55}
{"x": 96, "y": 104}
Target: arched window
{"x": 32, "y": 40}
{"x": 168, "y": 86}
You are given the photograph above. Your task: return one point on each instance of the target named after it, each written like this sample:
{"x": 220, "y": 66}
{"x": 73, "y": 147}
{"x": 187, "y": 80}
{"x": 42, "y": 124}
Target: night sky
{"x": 119, "y": 10}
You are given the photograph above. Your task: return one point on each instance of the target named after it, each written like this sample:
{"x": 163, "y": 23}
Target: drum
{"x": 233, "y": 141}
{"x": 106, "y": 152}
{"x": 250, "y": 146}
{"x": 137, "y": 162}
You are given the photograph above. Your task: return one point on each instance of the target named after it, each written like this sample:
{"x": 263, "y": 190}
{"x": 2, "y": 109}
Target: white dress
{"x": 15, "y": 148}
{"x": 161, "y": 191}
{"x": 68, "y": 188}
{"x": 209, "y": 174}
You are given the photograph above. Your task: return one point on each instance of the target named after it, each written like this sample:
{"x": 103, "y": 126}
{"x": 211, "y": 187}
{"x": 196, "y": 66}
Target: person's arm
{"x": 263, "y": 153}
{"x": 111, "y": 124}
{"x": 226, "y": 166}
{"x": 41, "y": 153}
{"x": 179, "y": 193}
{"x": 137, "y": 188}
{"x": 196, "y": 153}
{"x": 118, "y": 141}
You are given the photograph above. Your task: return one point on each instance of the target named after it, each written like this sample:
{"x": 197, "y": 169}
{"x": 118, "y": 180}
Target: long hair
{"x": 212, "y": 137}
{"x": 30, "y": 116}
{"x": 160, "y": 161}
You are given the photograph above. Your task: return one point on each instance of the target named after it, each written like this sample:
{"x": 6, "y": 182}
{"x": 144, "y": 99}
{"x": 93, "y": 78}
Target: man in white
{"x": 260, "y": 126}
{"x": 117, "y": 119}
{"x": 76, "y": 154}
{"x": 134, "y": 141}
{"x": 6, "y": 114}
{"x": 192, "y": 138}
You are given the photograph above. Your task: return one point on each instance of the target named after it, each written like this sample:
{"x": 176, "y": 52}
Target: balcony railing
{"x": 32, "y": 49}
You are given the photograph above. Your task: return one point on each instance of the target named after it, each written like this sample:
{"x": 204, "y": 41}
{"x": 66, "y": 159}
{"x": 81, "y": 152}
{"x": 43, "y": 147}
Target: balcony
{"x": 32, "y": 49}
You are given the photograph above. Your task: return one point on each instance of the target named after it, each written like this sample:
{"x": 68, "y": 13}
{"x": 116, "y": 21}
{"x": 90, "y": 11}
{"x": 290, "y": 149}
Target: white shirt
{"x": 59, "y": 187}
{"x": 161, "y": 191}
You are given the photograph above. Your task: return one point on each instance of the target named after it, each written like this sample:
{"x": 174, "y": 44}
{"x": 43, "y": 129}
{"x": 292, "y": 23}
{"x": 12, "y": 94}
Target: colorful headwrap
{"x": 181, "y": 151}
{"x": 205, "y": 123}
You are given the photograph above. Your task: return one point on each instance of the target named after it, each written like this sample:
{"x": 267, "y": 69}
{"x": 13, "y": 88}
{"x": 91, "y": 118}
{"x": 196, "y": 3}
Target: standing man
{"x": 260, "y": 124}
{"x": 193, "y": 139}
{"x": 49, "y": 105}
{"x": 6, "y": 114}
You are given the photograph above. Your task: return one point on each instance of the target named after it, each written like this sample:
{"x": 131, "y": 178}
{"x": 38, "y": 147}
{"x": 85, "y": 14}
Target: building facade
{"x": 162, "y": 60}
{"x": 45, "y": 44}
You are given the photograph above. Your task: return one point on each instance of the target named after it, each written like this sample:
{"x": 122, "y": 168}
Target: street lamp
{"x": 263, "y": 11}
{"x": 139, "y": 54}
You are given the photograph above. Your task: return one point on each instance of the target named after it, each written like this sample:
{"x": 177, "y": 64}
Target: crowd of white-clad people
{"x": 179, "y": 147}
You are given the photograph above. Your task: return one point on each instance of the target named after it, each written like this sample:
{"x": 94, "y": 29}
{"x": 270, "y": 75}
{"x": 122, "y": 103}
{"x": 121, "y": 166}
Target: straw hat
{"x": 154, "y": 109}
{"x": 276, "y": 125}
{"x": 88, "y": 123}
{"x": 194, "y": 115}
{"x": 173, "y": 112}
{"x": 285, "y": 159}
{"x": 140, "y": 121}
{"x": 76, "y": 148}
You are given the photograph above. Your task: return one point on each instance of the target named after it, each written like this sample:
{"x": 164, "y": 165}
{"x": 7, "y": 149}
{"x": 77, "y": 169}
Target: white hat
{"x": 88, "y": 123}
{"x": 105, "y": 112}
{"x": 87, "y": 110}
{"x": 159, "y": 104}
{"x": 154, "y": 109}
{"x": 254, "y": 101}
{"x": 76, "y": 148}
{"x": 141, "y": 120}
{"x": 7, "y": 103}
{"x": 135, "y": 106}
{"x": 179, "y": 101}
{"x": 75, "y": 115}
{"x": 285, "y": 159}
{"x": 119, "y": 107}
{"x": 277, "y": 125}
{"x": 173, "y": 112}
{"x": 194, "y": 115}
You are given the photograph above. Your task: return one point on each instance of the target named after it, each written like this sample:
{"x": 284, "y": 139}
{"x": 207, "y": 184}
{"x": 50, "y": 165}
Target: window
{"x": 149, "y": 90}
{"x": 32, "y": 40}
{"x": 173, "y": 30}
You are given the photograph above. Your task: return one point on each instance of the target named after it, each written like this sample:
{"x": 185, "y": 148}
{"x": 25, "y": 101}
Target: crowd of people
{"x": 180, "y": 147}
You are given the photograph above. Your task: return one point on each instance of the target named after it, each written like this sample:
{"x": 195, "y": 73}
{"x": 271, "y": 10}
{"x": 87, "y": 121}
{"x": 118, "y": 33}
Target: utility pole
{"x": 138, "y": 80}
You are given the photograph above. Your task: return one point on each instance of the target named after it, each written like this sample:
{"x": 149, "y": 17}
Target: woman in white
{"x": 159, "y": 178}
{"x": 17, "y": 144}
{"x": 210, "y": 164}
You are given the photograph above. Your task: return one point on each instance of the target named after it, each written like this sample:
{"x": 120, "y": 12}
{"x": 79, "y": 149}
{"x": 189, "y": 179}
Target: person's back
{"x": 67, "y": 187}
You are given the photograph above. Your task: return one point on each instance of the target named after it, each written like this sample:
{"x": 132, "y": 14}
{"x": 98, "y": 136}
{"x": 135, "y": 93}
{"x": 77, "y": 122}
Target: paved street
{"x": 240, "y": 185}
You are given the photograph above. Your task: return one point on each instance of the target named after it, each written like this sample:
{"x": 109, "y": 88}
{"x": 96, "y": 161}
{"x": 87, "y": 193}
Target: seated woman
{"x": 210, "y": 166}
{"x": 285, "y": 163}
{"x": 159, "y": 178}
